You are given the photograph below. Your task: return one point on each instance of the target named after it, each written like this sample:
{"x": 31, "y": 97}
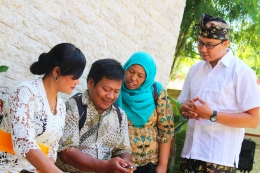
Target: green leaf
{"x": 178, "y": 127}
{"x": 3, "y": 68}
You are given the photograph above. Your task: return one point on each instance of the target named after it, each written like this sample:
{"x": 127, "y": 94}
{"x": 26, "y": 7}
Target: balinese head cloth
{"x": 213, "y": 27}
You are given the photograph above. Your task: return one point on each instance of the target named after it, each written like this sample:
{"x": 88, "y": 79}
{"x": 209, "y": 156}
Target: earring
{"x": 56, "y": 78}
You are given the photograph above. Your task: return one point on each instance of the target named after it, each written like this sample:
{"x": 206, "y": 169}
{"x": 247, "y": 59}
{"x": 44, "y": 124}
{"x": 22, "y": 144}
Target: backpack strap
{"x": 81, "y": 108}
{"x": 155, "y": 94}
{"x": 118, "y": 113}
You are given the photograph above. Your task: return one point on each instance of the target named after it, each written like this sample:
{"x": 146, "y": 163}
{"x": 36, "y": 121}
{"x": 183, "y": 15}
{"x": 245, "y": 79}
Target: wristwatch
{"x": 213, "y": 118}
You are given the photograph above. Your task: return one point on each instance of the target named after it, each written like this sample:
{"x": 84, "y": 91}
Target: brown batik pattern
{"x": 198, "y": 166}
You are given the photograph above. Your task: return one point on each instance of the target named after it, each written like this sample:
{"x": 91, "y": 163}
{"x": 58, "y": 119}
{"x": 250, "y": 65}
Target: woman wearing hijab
{"x": 150, "y": 119}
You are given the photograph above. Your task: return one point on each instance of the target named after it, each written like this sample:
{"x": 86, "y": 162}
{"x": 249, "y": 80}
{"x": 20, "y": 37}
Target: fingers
{"x": 191, "y": 115}
{"x": 121, "y": 165}
{"x": 195, "y": 99}
{"x": 201, "y": 101}
{"x": 188, "y": 107}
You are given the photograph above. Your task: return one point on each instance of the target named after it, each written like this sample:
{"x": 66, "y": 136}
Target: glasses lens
{"x": 209, "y": 46}
{"x": 200, "y": 44}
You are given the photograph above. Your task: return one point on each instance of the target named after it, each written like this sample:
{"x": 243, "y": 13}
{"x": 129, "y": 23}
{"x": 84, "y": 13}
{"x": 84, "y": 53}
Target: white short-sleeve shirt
{"x": 229, "y": 87}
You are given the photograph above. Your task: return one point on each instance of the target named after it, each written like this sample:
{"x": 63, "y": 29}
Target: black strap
{"x": 155, "y": 94}
{"x": 118, "y": 113}
{"x": 83, "y": 110}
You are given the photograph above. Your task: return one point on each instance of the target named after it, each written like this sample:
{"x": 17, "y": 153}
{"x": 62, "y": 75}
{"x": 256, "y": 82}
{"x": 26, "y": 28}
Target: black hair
{"x": 218, "y": 19}
{"x": 66, "y": 56}
{"x": 108, "y": 68}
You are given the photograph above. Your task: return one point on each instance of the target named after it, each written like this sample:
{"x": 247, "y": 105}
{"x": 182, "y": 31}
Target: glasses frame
{"x": 207, "y": 45}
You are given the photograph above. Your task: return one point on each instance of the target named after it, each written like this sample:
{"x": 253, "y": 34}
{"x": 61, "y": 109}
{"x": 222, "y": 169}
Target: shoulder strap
{"x": 155, "y": 94}
{"x": 82, "y": 109}
{"x": 118, "y": 113}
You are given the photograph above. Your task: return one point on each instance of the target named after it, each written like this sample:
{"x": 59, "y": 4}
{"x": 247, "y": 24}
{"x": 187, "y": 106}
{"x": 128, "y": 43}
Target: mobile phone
{"x": 130, "y": 167}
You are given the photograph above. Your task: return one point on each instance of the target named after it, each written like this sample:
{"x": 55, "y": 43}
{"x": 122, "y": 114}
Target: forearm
{"x": 52, "y": 160}
{"x": 41, "y": 162}
{"x": 247, "y": 119}
{"x": 81, "y": 161}
{"x": 86, "y": 163}
{"x": 164, "y": 151}
{"x": 239, "y": 120}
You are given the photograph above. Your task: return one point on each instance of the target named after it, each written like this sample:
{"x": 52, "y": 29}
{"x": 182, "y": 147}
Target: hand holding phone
{"x": 130, "y": 167}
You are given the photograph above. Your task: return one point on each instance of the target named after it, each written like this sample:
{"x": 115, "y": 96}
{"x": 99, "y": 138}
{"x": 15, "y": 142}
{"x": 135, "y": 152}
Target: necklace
{"x": 53, "y": 105}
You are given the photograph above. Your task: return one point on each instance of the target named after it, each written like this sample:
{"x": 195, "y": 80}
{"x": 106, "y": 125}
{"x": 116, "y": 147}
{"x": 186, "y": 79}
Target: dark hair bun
{"x": 66, "y": 56}
{"x": 39, "y": 67}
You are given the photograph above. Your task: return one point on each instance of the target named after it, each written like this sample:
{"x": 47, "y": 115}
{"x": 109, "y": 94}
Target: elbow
{"x": 254, "y": 125}
{"x": 64, "y": 156}
{"x": 254, "y": 117}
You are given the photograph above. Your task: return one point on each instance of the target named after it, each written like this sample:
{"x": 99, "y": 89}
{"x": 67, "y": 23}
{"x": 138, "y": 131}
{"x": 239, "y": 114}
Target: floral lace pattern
{"x": 32, "y": 122}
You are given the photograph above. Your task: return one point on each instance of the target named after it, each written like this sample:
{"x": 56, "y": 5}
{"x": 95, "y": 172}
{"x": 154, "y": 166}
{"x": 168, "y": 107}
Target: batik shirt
{"x": 145, "y": 140}
{"x": 32, "y": 123}
{"x": 101, "y": 137}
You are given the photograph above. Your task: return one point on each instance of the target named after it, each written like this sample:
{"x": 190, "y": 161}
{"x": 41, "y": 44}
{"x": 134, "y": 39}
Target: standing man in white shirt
{"x": 220, "y": 98}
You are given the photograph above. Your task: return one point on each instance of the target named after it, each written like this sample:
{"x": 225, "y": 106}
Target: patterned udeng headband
{"x": 213, "y": 27}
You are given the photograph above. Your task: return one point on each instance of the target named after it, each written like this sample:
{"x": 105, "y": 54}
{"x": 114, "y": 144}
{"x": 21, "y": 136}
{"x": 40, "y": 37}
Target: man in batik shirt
{"x": 102, "y": 144}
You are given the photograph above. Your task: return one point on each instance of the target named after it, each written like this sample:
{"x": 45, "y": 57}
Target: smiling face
{"x": 134, "y": 76}
{"x": 104, "y": 93}
{"x": 212, "y": 55}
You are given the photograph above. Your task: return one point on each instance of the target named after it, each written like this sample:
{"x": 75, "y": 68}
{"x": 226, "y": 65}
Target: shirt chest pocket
{"x": 228, "y": 96}
{"x": 228, "y": 90}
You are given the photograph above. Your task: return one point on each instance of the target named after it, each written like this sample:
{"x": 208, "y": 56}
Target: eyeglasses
{"x": 208, "y": 46}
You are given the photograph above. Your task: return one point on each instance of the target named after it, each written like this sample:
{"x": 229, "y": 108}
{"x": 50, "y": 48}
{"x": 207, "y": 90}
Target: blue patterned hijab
{"x": 139, "y": 103}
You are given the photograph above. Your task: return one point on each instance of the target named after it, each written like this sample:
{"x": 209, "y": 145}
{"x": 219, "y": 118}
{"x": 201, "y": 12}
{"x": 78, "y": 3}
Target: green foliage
{"x": 179, "y": 142}
{"x": 180, "y": 125}
{"x": 3, "y": 68}
{"x": 242, "y": 16}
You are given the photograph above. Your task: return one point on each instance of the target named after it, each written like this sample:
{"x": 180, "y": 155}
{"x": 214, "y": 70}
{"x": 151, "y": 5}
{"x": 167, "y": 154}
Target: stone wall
{"x": 100, "y": 28}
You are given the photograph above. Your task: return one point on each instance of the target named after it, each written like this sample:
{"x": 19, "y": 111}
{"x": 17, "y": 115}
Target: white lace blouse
{"x": 32, "y": 122}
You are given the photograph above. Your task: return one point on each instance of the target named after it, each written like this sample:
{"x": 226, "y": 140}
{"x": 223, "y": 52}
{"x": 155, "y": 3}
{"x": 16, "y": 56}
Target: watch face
{"x": 213, "y": 118}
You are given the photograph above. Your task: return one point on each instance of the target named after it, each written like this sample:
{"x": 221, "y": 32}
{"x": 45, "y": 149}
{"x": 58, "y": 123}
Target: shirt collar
{"x": 227, "y": 58}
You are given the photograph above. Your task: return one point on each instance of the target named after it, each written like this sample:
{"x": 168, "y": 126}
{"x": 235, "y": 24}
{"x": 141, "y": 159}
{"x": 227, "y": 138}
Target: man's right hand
{"x": 115, "y": 165}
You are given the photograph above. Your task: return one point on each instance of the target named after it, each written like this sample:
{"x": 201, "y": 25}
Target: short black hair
{"x": 108, "y": 68}
{"x": 66, "y": 56}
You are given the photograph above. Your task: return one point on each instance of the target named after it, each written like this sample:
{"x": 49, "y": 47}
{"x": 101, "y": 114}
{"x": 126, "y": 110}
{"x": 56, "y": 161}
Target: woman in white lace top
{"x": 37, "y": 113}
